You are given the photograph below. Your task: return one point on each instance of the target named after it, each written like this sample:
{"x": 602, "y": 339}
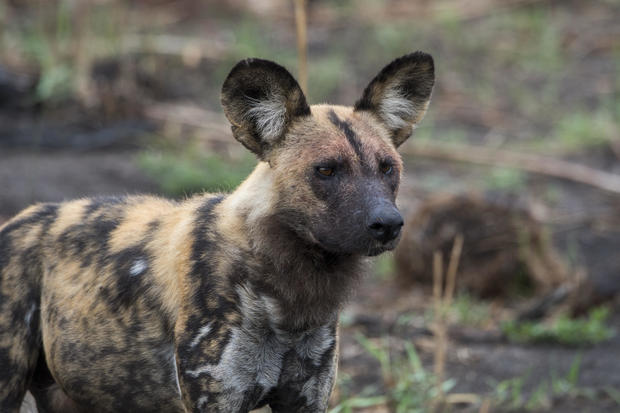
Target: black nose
{"x": 385, "y": 223}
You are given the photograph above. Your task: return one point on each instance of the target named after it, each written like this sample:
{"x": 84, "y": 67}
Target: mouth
{"x": 376, "y": 250}
{"x": 373, "y": 252}
{"x": 364, "y": 248}
{"x": 379, "y": 248}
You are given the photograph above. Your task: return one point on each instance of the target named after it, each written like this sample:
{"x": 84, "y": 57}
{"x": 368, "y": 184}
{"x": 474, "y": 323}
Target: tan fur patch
{"x": 69, "y": 214}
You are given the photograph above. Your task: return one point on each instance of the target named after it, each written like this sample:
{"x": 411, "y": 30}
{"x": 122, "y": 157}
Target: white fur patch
{"x": 202, "y": 402}
{"x": 29, "y": 314}
{"x": 396, "y": 110}
{"x": 29, "y": 405}
{"x": 202, "y": 332}
{"x": 315, "y": 344}
{"x": 176, "y": 372}
{"x": 269, "y": 115}
{"x": 138, "y": 267}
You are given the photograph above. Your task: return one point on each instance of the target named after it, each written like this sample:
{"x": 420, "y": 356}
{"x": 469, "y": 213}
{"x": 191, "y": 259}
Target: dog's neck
{"x": 309, "y": 283}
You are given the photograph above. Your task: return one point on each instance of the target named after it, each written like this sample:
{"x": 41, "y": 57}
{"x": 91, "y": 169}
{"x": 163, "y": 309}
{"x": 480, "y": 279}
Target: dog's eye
{"x": 386, "y": 168}
{"x": 325, "y": 170}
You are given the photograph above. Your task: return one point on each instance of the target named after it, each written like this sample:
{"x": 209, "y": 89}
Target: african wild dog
{"x": 220, "y": 303}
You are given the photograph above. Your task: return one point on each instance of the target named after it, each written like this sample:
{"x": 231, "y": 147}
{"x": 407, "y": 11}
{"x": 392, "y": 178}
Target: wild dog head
{"x": 335, "y": 169}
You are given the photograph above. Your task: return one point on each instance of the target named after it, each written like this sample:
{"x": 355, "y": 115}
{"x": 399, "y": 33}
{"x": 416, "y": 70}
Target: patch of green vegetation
{"x": 583, "y": 129}
{"x": 384, "y": 265}
{"x": 574, "y": 131}
{"x": 350, "y": 402}
{"x": 613, "y": 394}
{"x": 392, "y": 39}
{"x": 324, "y": 76}
{"x": 522, "y": 44}
{"x": 249, "y": 41}
{"x": 252, "y": 39}
{"x": 410, "y": 387}
{"x": 566, "y": 384}
{"x": 344, "y": 6}
{"x": 540, "y": 398}
{"x": 48, "y": 38}
{"x": 358, "y": 402}
{"x": 505, "y": 178}
{"x": 181, "y": 173}
{"x": 510, "y": 395}
{"x": 467, "y": 310}
{"x": 529, "y": 38}
{"x": 384, "y": 42}
{"x": 563, "y": 330}
{"x": 427, "y": 132}
{"x": 346, "y": 318}
{"x": 464, "y": 310}
{"x": 424, "y": 132}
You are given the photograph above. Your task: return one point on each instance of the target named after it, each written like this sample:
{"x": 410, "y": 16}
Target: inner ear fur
{"x": 399, "y": 95}
{"x": 260, "y": 99}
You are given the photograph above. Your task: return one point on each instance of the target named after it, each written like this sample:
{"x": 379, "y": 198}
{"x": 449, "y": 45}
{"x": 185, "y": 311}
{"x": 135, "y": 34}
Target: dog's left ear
{"x": 400, "y": 93}
{"x": 260, "y": 99}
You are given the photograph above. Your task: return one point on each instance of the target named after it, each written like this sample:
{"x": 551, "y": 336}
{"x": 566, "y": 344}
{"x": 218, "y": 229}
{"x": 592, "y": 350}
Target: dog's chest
{"x": 257, "y": 357}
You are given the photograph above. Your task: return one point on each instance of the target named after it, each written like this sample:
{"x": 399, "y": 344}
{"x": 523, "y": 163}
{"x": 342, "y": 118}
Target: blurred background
{"x": 503, "y": 293}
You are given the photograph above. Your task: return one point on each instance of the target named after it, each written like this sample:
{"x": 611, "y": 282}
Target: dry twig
{"x": 455, "y": 257}
{"x": 442, "y": 300}
{"x": 302, "y": 43}
{"x": 527, "y": 162}
{"x": 486, "y": 406}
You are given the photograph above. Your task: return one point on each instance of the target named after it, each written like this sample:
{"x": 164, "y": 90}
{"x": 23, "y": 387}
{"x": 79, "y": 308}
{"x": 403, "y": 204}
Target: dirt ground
{"x": 35, "y": 176}
{"x": 478, "y": 358}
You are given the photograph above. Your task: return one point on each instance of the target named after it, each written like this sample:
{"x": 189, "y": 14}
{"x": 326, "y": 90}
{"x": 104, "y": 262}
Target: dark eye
{"x": 386, "y": 168}
{"x": 325, "y": 171}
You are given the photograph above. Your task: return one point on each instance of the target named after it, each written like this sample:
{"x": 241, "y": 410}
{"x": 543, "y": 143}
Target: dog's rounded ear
{"x": 399, "y": 95}
{"x": 260, "y": 99}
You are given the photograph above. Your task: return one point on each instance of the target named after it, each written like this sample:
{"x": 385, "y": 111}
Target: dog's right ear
{"x": 260, "y": 99}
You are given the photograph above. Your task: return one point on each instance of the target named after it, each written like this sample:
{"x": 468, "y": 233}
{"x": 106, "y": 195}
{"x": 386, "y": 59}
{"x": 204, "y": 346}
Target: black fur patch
{"x": 202, "y": 250}
{"x": 129, "y": 268}
{"x": 349, "y": 133}
{"x": 97, "y": 203}
{"x": 410, "y": 86}
{"x": 87, "y": 241}
{"x": 45, "y": 214}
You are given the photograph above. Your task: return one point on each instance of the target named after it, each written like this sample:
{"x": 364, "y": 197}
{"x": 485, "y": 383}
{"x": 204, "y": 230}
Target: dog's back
{"x": 89, "y": 280}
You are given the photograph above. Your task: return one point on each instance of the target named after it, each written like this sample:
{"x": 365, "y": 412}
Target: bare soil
{"x": 478, "y": 358}
{"x": 28, "y": 177}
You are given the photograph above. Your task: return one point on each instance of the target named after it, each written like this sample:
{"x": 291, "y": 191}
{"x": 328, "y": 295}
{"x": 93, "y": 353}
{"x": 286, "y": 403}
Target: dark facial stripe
{"x": 345, "y": 127}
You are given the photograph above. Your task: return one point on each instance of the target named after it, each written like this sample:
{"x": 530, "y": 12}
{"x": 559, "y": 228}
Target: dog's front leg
{"x": 309, "y": 397}
{"x": 306, "y": 384}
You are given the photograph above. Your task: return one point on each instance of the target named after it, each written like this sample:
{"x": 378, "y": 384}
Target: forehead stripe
{"x": 345, "y": 126}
